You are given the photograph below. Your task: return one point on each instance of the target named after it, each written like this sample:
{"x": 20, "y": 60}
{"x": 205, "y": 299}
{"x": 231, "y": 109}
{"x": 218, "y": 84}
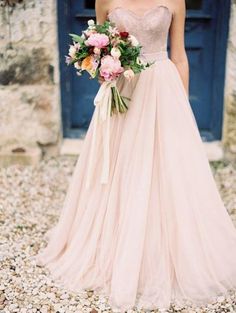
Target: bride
{"x": 157, "y": 233}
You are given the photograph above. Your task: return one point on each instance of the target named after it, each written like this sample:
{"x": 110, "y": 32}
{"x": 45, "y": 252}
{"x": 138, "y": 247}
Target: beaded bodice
{"x": 151, "y": 29}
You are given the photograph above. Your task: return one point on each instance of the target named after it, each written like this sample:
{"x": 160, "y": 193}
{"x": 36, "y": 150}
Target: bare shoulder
{"x": 178, "y": 7}
{"x": 102, "y": 9}
{"x": 104, "y": 4}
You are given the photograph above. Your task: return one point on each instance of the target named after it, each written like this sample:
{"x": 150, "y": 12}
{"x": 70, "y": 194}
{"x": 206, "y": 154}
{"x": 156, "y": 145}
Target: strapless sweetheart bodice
{"x": 151, "y": 29}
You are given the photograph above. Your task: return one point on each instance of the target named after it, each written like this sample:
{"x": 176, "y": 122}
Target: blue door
{"x": 206, "y": 34}
{"x": 206, "y": 39}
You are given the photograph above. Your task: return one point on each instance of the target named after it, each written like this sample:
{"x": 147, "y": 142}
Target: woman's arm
{"x": 178, "y": 54}
{"x": 102, "y": 8}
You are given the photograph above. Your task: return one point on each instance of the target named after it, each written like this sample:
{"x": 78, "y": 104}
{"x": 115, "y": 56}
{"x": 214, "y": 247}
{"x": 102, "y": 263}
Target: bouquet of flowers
{"x": 106, "y": 53}
{"x": 103, "y": 51}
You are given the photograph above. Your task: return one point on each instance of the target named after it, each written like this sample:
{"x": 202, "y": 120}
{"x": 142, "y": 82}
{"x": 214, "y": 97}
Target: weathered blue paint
{"x": 206, "y": 38}
{"x": 221, "y": 39}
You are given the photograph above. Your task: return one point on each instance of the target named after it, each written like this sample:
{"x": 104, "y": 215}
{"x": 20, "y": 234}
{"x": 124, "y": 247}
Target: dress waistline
{"x": 154, "y": 56}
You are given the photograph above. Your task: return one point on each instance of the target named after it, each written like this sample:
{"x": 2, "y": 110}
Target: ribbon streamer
{"x": 102, "y": 102}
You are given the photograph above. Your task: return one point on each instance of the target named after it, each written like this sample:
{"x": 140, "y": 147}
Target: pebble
{"x": 13, "y": 306}
{"x": 33, "y": 208}
{"x": 64, "y": 296}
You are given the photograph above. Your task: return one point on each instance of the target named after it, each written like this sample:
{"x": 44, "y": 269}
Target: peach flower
{"x": 90, "y": 65}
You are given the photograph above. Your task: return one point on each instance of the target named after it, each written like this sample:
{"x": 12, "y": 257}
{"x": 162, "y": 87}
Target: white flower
{"x": 91, "y": 25}
{"x": 97, "y": 50}
{"x": 77, "y": 45}
{"x": 133, "y": 41}
{"x": 91, "y": 22}
{"x": 140, "y": 61}
{"x": 115, "y": 52}
{"x": 129, "y": 74}
{"x": 77, "y": 66}
{"x": 72, "y": 51}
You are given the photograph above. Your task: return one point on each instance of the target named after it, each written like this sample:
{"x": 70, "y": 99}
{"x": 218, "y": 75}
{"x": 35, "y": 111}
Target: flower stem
{"x": 119, "y": 104}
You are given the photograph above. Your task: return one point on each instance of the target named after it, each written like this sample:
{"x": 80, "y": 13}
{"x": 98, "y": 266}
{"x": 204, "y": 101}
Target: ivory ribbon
{"x": 102, "y": 111}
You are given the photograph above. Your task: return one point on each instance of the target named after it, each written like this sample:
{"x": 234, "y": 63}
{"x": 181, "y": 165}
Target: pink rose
{"x": 97, "y": 40}
{"x": 110, "y": 68}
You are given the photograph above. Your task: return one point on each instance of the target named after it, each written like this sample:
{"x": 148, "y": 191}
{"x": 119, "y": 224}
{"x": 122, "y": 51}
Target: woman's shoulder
{"x": 102, "y": 9}
{"x": 104, "y": 3}
{"x": 177, "y": 5}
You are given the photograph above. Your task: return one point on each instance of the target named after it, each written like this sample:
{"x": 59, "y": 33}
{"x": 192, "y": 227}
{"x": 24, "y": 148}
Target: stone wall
{"x": 229, "y": 129}
{"x": 29, "y": 78}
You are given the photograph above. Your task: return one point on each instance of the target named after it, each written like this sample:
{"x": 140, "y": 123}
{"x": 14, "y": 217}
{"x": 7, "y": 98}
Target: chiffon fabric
{"x": 158, "y": 232}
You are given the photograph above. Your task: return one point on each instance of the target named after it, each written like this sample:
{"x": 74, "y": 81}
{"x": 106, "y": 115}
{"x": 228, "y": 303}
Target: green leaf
{"x": 76, "y": 38}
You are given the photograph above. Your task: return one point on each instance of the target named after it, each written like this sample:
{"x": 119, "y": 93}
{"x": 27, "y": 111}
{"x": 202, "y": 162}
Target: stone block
{"x": 20, "y": 154}
{"x": 29, "y": 114}
{"x": 25, "y": 67}
{"x": 229, "y": 127}
{"x": 29, "y": 78}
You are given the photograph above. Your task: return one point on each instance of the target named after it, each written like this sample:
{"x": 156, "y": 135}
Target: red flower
{"x": 124, "y": 34}
{"x": 105, "y": 50}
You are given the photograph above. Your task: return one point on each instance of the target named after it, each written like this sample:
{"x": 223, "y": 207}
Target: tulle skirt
{"x": 158, "y": 232}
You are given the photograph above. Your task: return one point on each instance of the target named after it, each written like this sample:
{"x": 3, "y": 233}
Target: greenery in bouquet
{"x": 105, "y": 52}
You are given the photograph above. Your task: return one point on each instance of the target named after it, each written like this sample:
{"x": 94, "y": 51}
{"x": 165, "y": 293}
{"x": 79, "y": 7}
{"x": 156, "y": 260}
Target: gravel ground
{"x": 30, "y": 202}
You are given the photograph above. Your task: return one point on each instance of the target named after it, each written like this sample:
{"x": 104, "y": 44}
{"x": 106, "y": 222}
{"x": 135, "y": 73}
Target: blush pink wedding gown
{"x": 158, "y": 232}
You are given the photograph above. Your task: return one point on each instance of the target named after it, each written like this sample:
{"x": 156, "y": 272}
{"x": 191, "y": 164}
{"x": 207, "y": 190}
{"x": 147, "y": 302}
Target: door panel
{"x": 83, "y": 88}
{"x": 199, "y": 31}
{"x": 194, "y": 4}
{"x": 206, "y": 22}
